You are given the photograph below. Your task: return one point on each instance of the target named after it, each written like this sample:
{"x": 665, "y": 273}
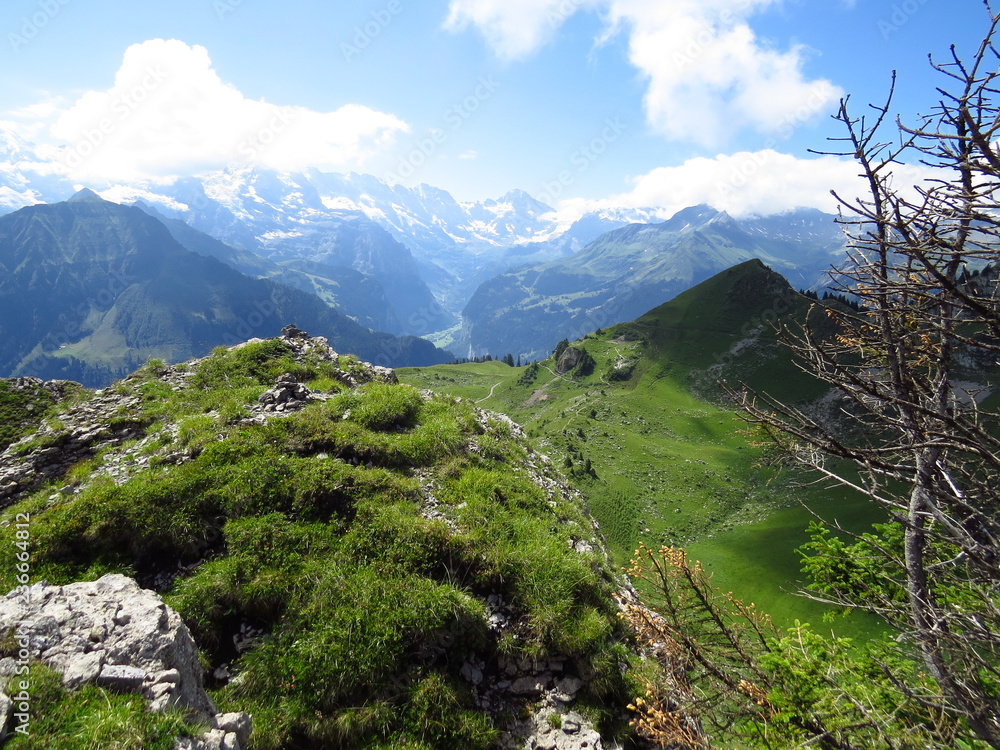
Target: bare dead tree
{"x": 919, "y": 442}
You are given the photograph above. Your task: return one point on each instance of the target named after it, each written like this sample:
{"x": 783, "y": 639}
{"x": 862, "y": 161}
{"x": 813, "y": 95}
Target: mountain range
{"x": 490, "y": 277}
{"x": 90, "y": 290}
{"x": 619, "y": 275}
{"x": 420, "y": 240}
{"x": 433, "y": 247}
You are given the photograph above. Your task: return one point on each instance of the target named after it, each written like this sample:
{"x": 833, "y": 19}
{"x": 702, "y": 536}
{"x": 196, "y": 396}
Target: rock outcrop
{"x": 116, "y": 635}
{"x": 75, "y": 435}
{"x": 570, "y": 358}
{"x": 109, "y": 418}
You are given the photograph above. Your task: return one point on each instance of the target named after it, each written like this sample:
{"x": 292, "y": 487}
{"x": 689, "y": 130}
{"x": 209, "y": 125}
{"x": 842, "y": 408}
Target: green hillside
{"x": 646, "y": 440}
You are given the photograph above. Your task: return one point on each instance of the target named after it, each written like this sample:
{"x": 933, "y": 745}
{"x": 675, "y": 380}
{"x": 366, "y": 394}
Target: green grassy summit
{"x": 360, "y": 568}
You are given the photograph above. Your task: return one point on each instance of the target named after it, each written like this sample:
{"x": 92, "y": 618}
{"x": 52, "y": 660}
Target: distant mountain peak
{"x": 694, "y": 215}
{"x": 86, "y": 195}
{"x": 518, "y": 199}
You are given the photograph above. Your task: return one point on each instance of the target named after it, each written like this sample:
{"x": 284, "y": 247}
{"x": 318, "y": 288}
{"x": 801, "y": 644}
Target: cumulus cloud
{"x": 708, "y": 74}
{"x": 168, "y": 113}
{"x": 748, "y": 183}
{"x": 514, "y": 28}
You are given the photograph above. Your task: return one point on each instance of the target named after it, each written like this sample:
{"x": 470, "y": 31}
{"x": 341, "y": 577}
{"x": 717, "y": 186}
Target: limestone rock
{"x": 119, "y": 636}
{"x": 235, "y": 723}
{"x": 112, "y": 627}
{"x": 552, "y": 728}
{"x": 84, "y": 668}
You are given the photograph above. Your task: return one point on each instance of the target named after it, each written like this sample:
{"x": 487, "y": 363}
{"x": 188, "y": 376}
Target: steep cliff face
{"x": 358, "y": 562}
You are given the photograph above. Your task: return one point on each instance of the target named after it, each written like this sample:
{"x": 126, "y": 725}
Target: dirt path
{"x": 554, "y": 373}
{"x": 479, "y": 401}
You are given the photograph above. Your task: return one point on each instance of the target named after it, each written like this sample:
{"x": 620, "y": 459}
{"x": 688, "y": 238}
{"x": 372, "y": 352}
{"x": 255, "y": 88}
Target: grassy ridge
{"x": 309, "y": 529}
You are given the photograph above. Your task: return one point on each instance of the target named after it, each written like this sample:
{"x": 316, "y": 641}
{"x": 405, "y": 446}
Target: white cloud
{"x": 514, "y": 28}
{"x": 709, "y": 75}
{"x": 747, "y": 183}
{"x": 471, "y": 154}
{"x": 169, "y": 113}
{"x": 42, "y": 110}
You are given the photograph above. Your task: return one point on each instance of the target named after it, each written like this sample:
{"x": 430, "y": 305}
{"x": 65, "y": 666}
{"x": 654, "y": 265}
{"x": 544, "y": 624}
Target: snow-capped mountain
{"x": 435, "y": 261}
{"x": 425, "y": 251}
{"x": 427, "y": 237}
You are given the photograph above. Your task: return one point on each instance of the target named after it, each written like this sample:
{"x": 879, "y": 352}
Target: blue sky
{"x": 616, "y": 101}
